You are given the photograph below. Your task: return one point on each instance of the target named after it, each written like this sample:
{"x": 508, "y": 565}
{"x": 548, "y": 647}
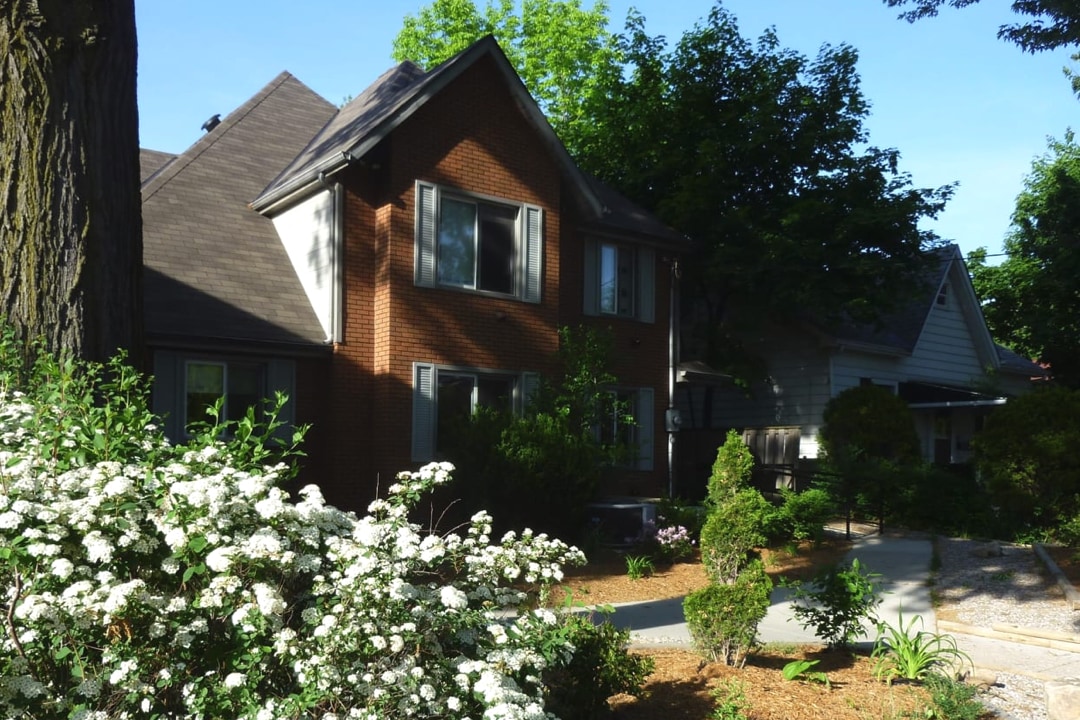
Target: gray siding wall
{"x": 795, "y": 392}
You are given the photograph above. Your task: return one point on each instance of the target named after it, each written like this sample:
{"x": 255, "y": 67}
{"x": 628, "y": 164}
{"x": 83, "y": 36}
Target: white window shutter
{"x": 423, "y": 418}
{"x": 646, "y": 281}
{"x": 533, "y": 245}
{"x": 426, "y": 205}
{"x": 643, "y": 414}
{"x": 592, "y": 290}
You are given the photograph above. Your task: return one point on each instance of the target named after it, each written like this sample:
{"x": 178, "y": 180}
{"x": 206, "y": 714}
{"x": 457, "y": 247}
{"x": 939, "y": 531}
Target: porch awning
{"x": 695, "y": 371}
{"x": 928, "y": 395}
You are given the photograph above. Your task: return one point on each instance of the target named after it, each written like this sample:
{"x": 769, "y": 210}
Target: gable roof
{"x": 398, "y": 93}
{"x": 215, "y": 270}
{"x": 388, "y": 102}
{"x": 151, "y": 162}
{"x": 900, "y": 331}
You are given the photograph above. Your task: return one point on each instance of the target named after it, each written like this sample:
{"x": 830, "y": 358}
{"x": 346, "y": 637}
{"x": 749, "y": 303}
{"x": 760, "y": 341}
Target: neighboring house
{"x": 936, "y": 354}
{"x": 393, "y": 263}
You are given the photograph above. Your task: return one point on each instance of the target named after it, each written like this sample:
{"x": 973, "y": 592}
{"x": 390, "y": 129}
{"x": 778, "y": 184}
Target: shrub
{"x": 732, "y": 469}
{"x": 171, "y": 582}
{"x": 731, "y": 533}
{"x": 953, "y": 700}
{"x": 600, "y": 667}
{"x": 674, "y": 512}
{"x": 844, "y": 599}
{"x": 723, "y": 619}
{"x": 944, "y": 500}
{"x": 802, "y": 516}
{"x": 674, "y": 543}
{"x": 869, "y": 422}
{"x": 868, "y": 435}
{"x": 542, "y": 468}
{"x": 730, "y": 699}
{"x": 1026, "y": 455}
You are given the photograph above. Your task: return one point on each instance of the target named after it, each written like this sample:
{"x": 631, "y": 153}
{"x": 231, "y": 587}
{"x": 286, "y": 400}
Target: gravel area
{"x": 980, "y": 585}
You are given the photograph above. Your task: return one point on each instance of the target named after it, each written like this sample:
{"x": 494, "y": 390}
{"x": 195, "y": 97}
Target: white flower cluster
{"x": 196, "y": 588}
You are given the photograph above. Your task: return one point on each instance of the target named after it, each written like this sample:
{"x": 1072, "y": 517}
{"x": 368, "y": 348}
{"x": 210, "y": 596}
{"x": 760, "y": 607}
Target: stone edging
{"x": 1072, "y": 597}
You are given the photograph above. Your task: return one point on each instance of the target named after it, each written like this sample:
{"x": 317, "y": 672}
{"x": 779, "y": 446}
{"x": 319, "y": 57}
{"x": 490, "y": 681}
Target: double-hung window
{"x": 238, "y": 385}
{"x": 446, "y": 397}
{"x": 478, "y": 243}
{"x": 185, "y": 385}
{"x": 620, "y": 280}
{"x": 629, "y": 424}
{"x": 616, "y": 280}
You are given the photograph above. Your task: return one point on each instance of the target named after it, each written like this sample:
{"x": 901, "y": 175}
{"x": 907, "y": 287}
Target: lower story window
{"x": 445, "y": 398}
{"x": 238, "y": 385}
{"x": 629, "y": 424}
{"x": 462, "y": 394}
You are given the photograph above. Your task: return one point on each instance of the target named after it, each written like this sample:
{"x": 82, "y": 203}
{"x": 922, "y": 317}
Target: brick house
{"x": 407, "y": 256}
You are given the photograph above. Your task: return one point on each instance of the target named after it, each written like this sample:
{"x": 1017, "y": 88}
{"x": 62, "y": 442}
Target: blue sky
{"x": 959, "y": 104}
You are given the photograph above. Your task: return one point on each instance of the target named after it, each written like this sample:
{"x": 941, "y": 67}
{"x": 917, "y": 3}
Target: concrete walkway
{"x": 904, "y": 565}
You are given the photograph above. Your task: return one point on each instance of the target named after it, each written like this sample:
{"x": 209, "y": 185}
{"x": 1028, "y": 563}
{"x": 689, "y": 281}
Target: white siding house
{"x": 937, "y": 354}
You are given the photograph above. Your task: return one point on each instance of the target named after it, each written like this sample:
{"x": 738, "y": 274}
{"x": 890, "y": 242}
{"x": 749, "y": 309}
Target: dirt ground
{"x": 682, "y": 685}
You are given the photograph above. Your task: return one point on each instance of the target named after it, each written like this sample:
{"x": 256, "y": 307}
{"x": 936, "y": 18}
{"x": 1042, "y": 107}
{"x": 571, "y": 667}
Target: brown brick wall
{"x": 640, "y": 357}
{"x": 472, "y": 137}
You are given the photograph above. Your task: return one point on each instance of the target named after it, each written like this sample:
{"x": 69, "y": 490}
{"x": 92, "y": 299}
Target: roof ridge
{"x": 209, "y": 139}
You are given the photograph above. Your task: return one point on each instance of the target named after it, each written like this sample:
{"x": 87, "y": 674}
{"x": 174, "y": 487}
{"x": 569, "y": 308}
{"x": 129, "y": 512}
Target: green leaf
{"x": 194, "y": 570}
{"x": 197, "y": 544}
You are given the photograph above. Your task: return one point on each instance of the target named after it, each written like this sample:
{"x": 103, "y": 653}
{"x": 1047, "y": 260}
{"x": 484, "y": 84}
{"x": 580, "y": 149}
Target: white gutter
{"x": 958, "y": 404}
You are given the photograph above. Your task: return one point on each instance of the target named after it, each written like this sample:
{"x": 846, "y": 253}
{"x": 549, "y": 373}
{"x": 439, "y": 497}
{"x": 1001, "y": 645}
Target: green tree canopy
{"x": 1031, "y": 300}
{"x": 556, "y": 46}
{"x": 757, "y": 153}
{"x": 1053, "y": 23}
{"x": 760, "y": 155}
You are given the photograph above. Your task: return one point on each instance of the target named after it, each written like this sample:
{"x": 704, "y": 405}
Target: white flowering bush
{"x": 145, "y": 580}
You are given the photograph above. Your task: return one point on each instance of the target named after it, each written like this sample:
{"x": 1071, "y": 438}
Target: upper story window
{"x": 620, "y": 280}
{"x": 943, "y": 294}
{"x": 616, "y": 280}
{"x": 478, "y": 243}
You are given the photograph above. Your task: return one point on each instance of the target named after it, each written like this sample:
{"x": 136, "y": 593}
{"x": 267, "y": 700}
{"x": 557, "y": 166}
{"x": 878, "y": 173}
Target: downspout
{"x": 673, "y": 366}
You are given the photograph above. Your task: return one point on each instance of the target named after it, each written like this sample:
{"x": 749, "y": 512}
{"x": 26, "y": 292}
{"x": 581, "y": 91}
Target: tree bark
{"x": 70, "y": 210}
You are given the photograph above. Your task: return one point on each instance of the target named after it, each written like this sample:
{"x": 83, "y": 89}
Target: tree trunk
{"x": 70, "y": 210}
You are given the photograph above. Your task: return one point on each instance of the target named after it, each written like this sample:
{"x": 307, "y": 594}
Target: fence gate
{"x": 776, "y": 450}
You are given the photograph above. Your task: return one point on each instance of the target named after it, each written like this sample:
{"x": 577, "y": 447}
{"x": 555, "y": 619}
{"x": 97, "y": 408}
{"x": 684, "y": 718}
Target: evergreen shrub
{"x": 723, "y": 618}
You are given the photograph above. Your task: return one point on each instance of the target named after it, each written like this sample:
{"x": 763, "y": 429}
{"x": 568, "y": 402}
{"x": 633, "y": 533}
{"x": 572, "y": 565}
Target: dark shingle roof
{"x": 900, "y": 330}
{"x": 388, "y": 102}
{"x": 620, "y": 215}
{"x": 152, "y": 162}
{"x": 215, "y": 269}
{"x": 358, "y": 120}
{"x": 395, "y": 95}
